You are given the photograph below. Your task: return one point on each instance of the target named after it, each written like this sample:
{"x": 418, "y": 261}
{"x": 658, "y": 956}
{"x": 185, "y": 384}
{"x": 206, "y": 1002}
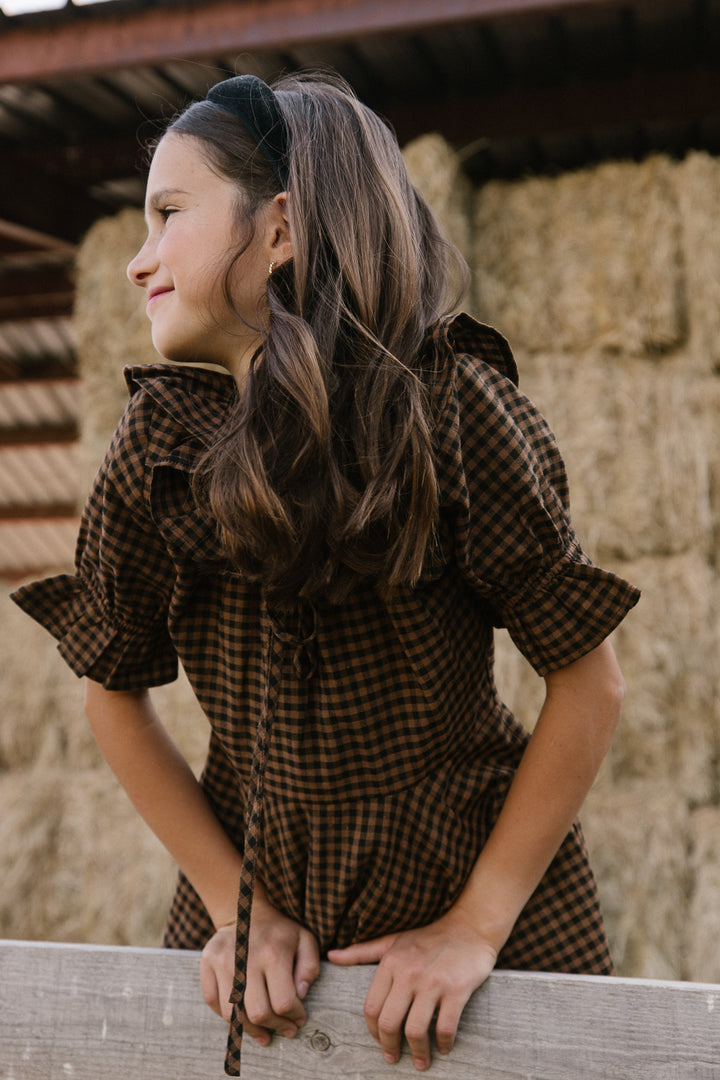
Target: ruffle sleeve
{"x": 504, "y": 493}
{"x": 111, "y": 618}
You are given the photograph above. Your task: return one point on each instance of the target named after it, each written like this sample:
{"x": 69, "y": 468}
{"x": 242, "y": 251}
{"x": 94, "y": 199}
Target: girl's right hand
{"x": 283, "y": 961}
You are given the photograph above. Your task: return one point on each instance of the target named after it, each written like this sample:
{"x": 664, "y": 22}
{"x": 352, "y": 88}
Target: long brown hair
{"x": 324, "y": 471}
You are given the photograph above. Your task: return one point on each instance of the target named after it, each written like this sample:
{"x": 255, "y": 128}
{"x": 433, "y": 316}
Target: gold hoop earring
{"x": 271, "y": 267}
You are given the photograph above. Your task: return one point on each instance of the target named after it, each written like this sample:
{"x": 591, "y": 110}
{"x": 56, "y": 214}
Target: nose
{"x": 142, "y": 266}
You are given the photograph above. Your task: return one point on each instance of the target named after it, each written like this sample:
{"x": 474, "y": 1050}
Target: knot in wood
{"x": 320, "y": 1041}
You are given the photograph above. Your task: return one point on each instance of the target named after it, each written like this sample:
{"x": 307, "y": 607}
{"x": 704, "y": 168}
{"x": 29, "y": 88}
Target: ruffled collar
{"x": 458, "y": 334}
{"x": 197, "y": 398}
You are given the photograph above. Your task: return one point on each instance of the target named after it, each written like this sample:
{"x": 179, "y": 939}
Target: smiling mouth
{"x": 157, "y": 292}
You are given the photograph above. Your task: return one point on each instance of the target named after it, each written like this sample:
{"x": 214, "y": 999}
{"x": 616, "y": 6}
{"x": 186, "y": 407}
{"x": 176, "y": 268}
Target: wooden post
{"x": 82, "y": 1012}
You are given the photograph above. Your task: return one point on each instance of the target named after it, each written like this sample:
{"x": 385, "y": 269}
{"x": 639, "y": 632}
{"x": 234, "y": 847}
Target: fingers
{"x": 217, "y": 969}
{"x": 283, "y": 962}
{"x": 419, "y": 1022}
{"x": 363, "y": 952}
{"x": 447, "y": 1022}
{"x": 377, "y": 995}
{"x": 281, "y": 967}
{"x": 427, "y": 974}
{"x": 307, "y": 963}
{"x": 396, "y": 1009}
{"x": 271, "y": 1002}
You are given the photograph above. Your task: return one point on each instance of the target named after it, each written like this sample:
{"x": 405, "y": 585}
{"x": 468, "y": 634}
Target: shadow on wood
{"x": 89, "y": 1012}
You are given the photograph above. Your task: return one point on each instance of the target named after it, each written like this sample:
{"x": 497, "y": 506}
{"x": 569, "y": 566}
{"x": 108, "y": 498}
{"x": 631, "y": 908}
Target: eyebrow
{"x": 157, "y": 198}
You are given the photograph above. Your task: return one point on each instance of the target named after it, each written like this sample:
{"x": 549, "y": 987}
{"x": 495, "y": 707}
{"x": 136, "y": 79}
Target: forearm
{"x": 165, "y": 792}
{"x": 562, "y": 759}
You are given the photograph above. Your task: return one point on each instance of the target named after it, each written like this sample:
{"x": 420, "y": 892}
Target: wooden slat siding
{"x": 103, "y": 1013}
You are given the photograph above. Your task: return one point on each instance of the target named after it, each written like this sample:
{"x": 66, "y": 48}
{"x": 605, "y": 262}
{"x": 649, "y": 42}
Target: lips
{"x": 160, "y": 290}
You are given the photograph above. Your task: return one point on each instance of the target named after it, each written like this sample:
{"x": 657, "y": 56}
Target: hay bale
{"x": 637, "y": 438}
{"x": 522, "y": 690}
{"x": 711, "y": 388}
{"x": 113, "y": 876}
{"x": 436, "y": 171}
{"x": 29, "y": 822}
{"x": 590, "y": 258}
{"x": 703, "y": 924}
{"x": 697, "y": 188}
{"x": 42, "y": 722}
{"x": 668, "y": 649}
{"x": 111, "y": 328}
{"x": 637, "y": 836}
{"x": 77, "y": 863}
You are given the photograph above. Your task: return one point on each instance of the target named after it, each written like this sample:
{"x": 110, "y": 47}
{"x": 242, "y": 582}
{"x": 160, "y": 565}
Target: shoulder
{"x": 461, "y": 341}
{"x": 474, "y": 380}
{"x": 474, "y": 376}
{"x": 484, "y": 422}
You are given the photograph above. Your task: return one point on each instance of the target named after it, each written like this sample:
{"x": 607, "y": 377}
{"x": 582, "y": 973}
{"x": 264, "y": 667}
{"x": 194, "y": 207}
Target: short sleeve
{"x": 506, "y": 497}
{"x": 111, "y": 617}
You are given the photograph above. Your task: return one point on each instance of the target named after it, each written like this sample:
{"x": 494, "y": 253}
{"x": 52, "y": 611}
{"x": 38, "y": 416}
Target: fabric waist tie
{"x": 253, "y": 848}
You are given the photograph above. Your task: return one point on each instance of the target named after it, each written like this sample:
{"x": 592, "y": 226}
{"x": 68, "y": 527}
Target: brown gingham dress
{"x": 379, "y": 749}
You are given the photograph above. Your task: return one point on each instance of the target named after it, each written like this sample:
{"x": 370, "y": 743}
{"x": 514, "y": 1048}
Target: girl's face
{"x": 193, "y": 231}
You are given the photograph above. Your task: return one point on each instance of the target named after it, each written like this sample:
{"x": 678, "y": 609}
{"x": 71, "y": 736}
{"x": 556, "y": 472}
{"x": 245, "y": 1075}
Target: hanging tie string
{"x": 304, "y": 659}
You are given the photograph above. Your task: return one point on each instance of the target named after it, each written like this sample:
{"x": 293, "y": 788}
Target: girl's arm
{"x": 437, "y": 967}
{"x": 164, "y": 790}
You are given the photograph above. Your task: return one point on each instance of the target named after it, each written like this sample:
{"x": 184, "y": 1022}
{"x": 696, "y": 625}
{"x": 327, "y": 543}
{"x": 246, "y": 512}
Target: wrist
{"x": 490, "y": 909}
{"x": 226, "y": 916}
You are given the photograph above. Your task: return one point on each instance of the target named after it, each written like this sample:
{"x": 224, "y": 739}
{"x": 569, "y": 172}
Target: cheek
{"x": 248, "y": 282}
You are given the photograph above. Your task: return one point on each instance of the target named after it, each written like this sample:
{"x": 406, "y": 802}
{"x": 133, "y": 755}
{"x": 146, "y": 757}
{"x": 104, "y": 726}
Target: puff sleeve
{"x": 506, "y": 495}
{"x": 111, "y": 617}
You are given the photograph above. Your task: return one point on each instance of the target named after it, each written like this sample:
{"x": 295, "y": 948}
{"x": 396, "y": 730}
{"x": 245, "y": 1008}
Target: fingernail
{"x": 390, "y": 1058}
{"x": 289, "y": 1033}
{"x": 420, "y": 1064}
{"x": 302, "y": 989}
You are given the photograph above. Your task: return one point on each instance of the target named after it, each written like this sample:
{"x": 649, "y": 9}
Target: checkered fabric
{"x": 359, "y": 752}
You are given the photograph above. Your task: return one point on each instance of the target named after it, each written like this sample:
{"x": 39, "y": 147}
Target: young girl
{"x": 325, "y": 535}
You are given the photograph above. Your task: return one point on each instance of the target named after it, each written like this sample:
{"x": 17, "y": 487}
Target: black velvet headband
{"x": 254, "y": 103}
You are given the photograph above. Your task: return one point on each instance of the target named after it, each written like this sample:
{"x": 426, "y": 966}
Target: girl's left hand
{"x": 433, "y": 969}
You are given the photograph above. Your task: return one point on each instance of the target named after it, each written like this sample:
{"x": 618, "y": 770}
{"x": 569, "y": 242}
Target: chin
{"x": 175, "y": 352}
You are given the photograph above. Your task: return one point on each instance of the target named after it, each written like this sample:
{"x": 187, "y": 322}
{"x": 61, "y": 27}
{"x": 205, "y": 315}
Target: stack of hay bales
{"x": 77, "y": 862}
{"x": 607, "y": 284}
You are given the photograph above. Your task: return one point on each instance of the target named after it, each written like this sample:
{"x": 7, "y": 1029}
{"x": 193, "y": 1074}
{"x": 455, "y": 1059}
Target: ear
{"x": 279, "y": 238}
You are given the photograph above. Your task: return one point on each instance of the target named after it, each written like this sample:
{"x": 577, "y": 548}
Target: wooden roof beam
{"x": 39, "y": 435}
{"x": 582, "y": 105}
{"x": 47, "y": 210}
{"x": 31, "y": 282}
{"x": 92, "y": 45}
{"x": 23, "y": 239}
{"x": 41, "y": 512}
{"x": 15, "y": 370}
{"x": 30, "y": 294}
{"x": 86, "y": 163}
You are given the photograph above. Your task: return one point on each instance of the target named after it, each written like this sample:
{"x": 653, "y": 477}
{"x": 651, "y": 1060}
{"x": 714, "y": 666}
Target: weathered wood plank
{"x": 81, "y": 1012}
{"x": 101, "y": 1013}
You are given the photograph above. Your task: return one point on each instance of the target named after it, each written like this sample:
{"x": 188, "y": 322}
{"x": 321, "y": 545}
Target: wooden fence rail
{"x": 82, "y": 1012}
